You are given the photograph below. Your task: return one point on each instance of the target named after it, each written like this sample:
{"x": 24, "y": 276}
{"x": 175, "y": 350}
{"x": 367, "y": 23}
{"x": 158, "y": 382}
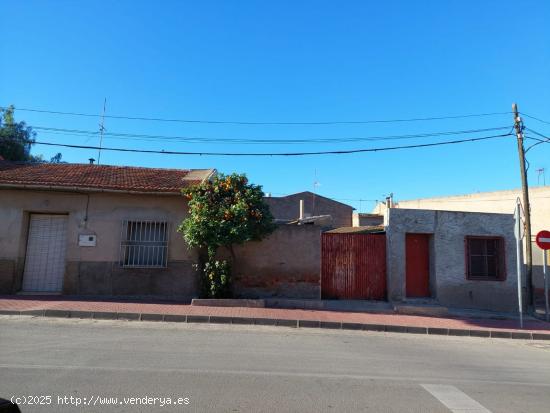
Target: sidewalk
{"x": 79, "y": 307}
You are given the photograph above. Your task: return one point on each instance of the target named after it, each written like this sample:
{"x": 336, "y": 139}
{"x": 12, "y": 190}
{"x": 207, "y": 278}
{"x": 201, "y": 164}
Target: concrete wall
{"x": 448, "y": 281}
{"x": 96, "y": 270}
{"x": 286, "y": 264}
{"x": 288, "y": 208}
{"x": 367, "y": 220}
{"x": 497, "y": 202}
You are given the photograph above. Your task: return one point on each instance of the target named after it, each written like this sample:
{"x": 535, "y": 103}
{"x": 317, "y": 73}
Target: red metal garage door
{"x": 353, "y": 266}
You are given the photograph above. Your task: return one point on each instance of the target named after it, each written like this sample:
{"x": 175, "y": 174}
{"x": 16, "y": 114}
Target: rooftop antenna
{"x": 541, "y": 171}
{"x": 316, "y": 183}
{"x": 101, "y": 130}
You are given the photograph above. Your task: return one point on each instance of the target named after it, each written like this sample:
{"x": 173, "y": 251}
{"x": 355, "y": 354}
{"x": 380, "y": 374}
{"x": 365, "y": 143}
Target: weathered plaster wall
{"x": 448, "y": 266}
{"x": 367, "y": 220}
{"x": 95, "y": 270}
{"x": 286, "y": 264}
{"x": 288, "y": 208}
{"x": 496, "y": 202}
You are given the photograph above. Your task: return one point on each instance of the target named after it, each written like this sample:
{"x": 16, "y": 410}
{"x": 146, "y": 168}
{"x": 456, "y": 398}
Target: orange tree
{"x": 223, "y": 212}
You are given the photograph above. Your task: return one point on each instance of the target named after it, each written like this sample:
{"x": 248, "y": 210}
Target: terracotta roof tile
{"x": 99, "y": 177}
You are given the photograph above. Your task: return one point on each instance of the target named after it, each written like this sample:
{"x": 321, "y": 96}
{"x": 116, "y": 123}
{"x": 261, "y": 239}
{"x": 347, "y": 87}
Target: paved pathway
{"x": 170, "y": 311}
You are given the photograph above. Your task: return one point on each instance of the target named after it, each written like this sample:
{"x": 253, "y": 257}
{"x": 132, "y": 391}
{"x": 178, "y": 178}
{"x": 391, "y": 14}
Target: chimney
{"x": 301, "y": 209}
{"x": 92, "y": 160}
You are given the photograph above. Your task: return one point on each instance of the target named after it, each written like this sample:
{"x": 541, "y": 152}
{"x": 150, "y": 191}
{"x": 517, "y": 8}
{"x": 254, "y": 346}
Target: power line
{"x": 234, "y": 122}
{"x": 339, "y": 152}
{"x": 188, "y": 139}
{"x": 537, "y": 133}
{"x": 535, "y": 118}
{"x": 545, "y": 140}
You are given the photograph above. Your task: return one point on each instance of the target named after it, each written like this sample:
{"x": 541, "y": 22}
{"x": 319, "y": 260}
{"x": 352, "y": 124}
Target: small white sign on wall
{"x": 87, "y": 240}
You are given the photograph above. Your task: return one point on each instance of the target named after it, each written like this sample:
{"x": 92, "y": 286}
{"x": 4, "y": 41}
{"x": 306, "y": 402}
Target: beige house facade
{"x": 94, "y": 230}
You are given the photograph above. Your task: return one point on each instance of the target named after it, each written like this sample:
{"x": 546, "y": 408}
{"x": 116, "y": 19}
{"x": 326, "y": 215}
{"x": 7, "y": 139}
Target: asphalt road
{"x": 264, "y": 369}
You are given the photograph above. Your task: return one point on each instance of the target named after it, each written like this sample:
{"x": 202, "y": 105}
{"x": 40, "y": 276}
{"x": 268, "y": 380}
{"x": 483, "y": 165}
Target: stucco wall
{"x": 96, "y": 270}
{"x": 367, "y": 220}
{"x": 288, "y": 208}
{"x": 448, "y": 281}
{"x": 497, "y": 202}
{"x": 286, "y": 264}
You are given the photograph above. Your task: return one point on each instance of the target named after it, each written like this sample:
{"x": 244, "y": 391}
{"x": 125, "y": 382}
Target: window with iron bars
{"x": 144, "y": 244}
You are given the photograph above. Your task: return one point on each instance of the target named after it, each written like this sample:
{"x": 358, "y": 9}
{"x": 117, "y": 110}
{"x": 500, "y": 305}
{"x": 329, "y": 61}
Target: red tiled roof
{"x": 99, "y": 177}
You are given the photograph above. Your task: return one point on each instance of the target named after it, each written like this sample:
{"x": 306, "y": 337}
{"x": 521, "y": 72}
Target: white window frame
{"x": 144, "y": 244}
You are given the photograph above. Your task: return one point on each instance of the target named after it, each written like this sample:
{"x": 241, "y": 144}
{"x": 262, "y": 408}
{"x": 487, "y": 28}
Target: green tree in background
{"x": 16, "y": 138}
{"x": 223, "y": 212}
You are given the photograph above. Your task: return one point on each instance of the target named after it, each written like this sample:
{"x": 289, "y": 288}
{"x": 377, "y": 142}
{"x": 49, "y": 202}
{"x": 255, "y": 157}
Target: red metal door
{"x": 353, "y": 266}
{"x": 418, "y": 265}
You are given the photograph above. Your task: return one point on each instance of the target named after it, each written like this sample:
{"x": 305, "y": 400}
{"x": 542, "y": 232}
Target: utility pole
{"x": 518, "y": 124}
{"x": 101, "y": 130}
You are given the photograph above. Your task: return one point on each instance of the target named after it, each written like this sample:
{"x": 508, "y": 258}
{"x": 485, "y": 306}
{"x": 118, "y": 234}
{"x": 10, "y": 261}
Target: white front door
{"x": 45, "y": 259}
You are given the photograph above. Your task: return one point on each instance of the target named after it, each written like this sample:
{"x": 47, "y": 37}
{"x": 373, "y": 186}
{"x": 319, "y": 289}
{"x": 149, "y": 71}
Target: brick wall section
{"x": 286, "y": 264}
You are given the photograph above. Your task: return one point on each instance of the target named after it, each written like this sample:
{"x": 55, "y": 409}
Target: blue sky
{"x": 289, "y": 61}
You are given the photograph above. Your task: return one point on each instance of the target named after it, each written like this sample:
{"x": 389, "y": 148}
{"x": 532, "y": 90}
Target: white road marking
{"x": 455, "y": 400}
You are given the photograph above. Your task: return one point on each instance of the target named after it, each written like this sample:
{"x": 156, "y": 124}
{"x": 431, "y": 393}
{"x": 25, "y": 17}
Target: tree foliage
{"x": 16, "y": 138}
{"x": 224, "y": 212}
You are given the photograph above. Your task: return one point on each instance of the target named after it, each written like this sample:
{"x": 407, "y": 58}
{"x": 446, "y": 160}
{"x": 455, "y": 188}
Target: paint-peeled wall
{"x": 285, "y": 264}
{"x": 448, "y": 281}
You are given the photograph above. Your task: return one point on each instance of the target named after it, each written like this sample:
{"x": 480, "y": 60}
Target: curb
{"x": 329, "y": 325}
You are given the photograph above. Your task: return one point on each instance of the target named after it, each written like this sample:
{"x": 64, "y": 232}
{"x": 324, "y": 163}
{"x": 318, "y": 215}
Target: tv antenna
{"x": 316, "y": 184}
{"x": 101, "y": 130}
{"x": 541, "y": 171}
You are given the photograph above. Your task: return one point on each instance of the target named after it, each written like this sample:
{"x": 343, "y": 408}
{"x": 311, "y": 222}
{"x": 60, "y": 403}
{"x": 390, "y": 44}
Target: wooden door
{"x": 418, "y": 265}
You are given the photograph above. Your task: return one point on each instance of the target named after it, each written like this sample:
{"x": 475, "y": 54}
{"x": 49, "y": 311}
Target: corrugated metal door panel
{"x": 353, "y": 266}
{"x": 45, "y": 256}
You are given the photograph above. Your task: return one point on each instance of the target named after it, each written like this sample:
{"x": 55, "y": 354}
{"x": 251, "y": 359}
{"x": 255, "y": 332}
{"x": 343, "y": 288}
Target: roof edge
{"x": 84, "y": 189}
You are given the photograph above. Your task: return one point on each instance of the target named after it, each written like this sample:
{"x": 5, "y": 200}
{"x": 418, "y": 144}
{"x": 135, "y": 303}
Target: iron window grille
{"x": 485, "y": 258}
{"x": 144, "y": 244}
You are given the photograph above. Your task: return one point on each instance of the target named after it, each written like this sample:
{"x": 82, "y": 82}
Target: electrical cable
{"x": 535, "y": 118}
{"x": 234, "y": 122}
{"x": 338, "y": 152}
{"x": 145, "y": 137}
